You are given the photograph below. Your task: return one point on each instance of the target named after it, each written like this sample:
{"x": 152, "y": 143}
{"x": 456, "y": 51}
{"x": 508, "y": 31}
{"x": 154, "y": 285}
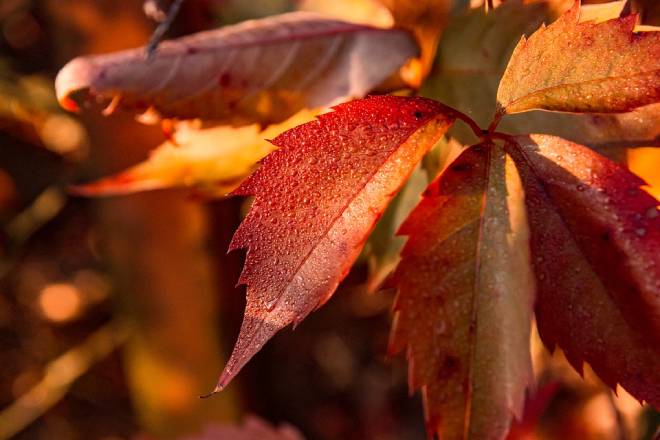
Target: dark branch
{"x": 152, "y": 10}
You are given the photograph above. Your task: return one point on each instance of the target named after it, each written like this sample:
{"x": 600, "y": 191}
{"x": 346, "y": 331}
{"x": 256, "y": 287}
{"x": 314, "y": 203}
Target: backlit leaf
{"x": 471, "y": 58}
{"x": 583, "y": 67}
{"x": 383, "y": 247}
{"x": 257, "y": 71}
{"x": 368, "y": 12}
{"x": 595, "y": 242}
{"x": 316, "y": 200}
{"x": 645, "y": 162}
{"x": 465, "y": 295}
{"x": 211, "y": 160}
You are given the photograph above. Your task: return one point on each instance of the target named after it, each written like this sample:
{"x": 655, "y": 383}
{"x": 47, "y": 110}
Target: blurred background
{"x": 117, "y": 313}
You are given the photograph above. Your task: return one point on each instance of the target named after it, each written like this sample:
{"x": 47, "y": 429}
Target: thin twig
{"x": 26, "y": 223}
{"x": 163, "y": 28}
{"x": 58, "y": 378}
{"x": 469, "y": 121}
{"x": 496, "y": 121}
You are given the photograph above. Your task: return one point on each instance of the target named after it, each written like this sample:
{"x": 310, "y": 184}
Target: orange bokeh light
{"x": 60, "y": 302}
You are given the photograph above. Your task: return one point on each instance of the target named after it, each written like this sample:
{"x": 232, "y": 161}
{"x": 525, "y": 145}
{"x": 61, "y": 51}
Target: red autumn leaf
{"x": 257, "y": 71}
{"x": 316, "y": 200}
{"x": 462, "y": 312}
{"x": 595, "y": 243}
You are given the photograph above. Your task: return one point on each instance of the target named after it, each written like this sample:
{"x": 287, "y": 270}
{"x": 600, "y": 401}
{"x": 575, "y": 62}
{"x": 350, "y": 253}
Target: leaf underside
{"x": 583, "y": 67}
{"x": 461, "y": 311}
{"x": 595, "y": 243}
{"x": 316, "y": 200}
{"x": 257, "y": 71}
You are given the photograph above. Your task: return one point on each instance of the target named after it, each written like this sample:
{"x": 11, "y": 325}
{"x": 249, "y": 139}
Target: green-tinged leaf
{"x": 383, "y": 247}
{"x": 465, "y": 294}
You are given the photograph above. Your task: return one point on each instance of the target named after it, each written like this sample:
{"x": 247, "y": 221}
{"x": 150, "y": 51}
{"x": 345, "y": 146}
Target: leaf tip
{"x": 73, "y": 82}
{"x": 216, "y": 390}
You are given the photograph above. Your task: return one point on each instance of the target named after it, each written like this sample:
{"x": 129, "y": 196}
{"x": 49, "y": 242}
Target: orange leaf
{"x": 316, "y": 200}
{"x": 464, "y": 300}
{"x": 211, "y": 160}
{"x": 257, "y": 71}
{"x": 583, "y": 67}
{"x": 595, "y": 241}
{"x": 426, "y": 19}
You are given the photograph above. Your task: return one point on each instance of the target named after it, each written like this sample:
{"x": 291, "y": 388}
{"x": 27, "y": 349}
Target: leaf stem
{"x": 163, "y": 28}
{"x": 502, "y": 136}
{"x": 496, "y": 120}
{"x": 469, "y": 121}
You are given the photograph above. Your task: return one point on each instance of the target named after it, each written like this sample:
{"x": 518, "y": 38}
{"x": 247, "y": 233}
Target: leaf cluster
{"x": 532, "y": 220}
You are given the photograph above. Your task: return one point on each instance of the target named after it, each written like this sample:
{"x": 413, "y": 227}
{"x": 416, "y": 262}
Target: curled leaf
{"x": 316, "y": 200}
{"x": 583, "y": 67}
{"x": 258, "y": 71}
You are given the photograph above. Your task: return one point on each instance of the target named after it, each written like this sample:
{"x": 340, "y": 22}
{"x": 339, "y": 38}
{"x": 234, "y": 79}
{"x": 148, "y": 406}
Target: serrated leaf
{"x": 465, "y": 293}
{"x": 316, "y": 200}
{"x": 471, "y": 58}
{"x": 258, "y": 71}
{"x": 595, "y": 242}
{"x": 583, "y": 67}
{"x": 211, "y": 160}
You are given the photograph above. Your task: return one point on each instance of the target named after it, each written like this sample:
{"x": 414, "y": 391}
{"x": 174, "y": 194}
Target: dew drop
{"x": 441, "y": 327}
{"x": 640, "y": 232}
{"x": 270, "y": 305}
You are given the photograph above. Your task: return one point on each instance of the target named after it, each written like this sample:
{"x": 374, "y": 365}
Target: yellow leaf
{"x": 369, "y": 12}
{"x": 426, "y": 19}
{"x": 645, "y": 162}
{"x": 213, "y": 160}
